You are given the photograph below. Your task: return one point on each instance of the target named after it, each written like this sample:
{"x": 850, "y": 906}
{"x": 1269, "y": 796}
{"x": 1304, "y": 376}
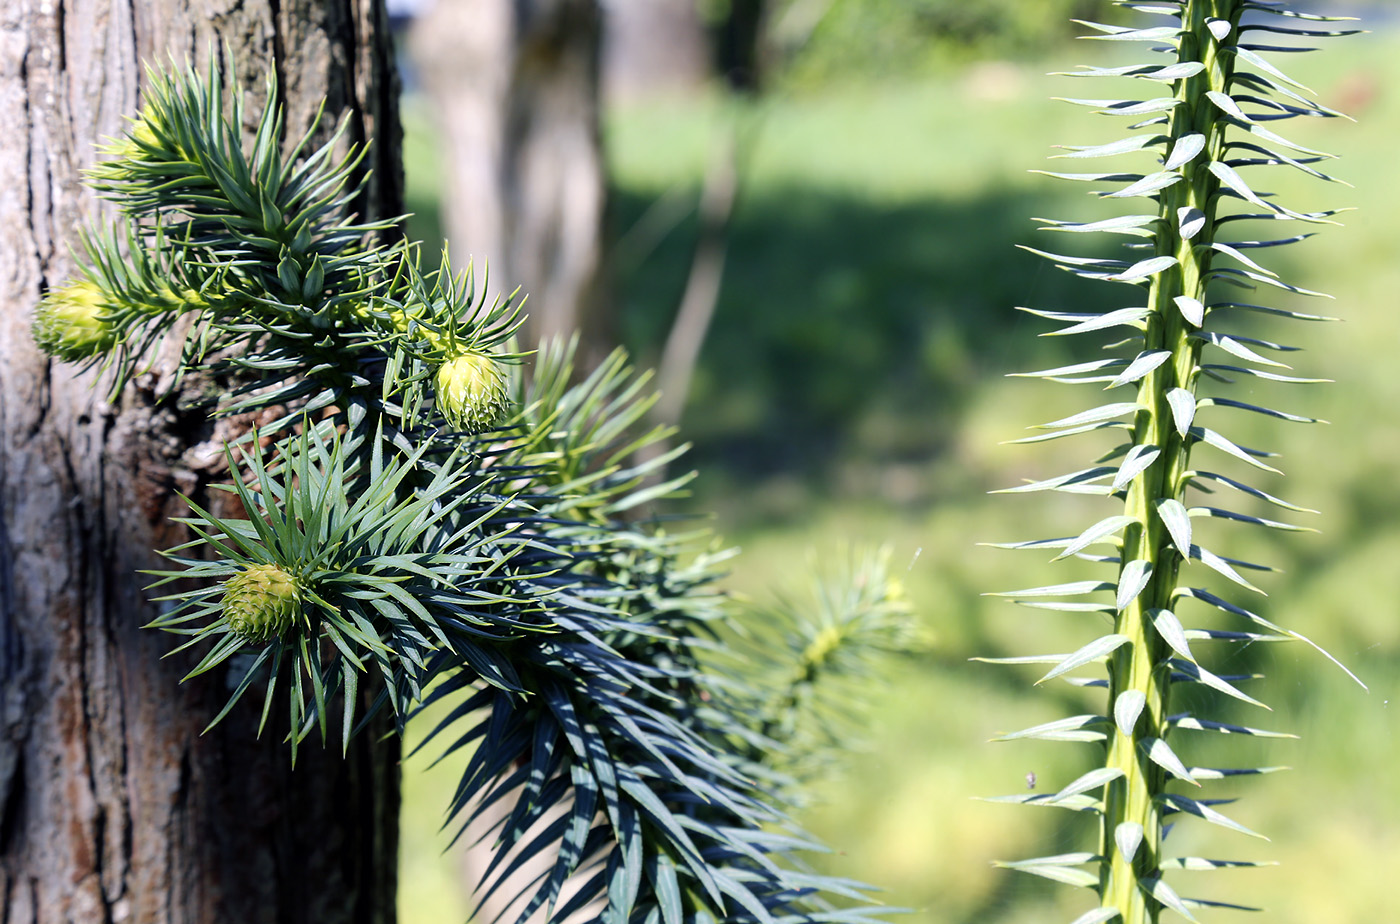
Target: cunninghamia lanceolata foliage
{"x": 1209, "y": 134}
{"x": 415, "y": 509}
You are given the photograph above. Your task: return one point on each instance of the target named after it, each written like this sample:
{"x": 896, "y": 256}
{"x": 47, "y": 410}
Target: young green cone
{"x": 261, "y": 602}
{"x": 471, "y": 392}
{"x": 71, "y": 323}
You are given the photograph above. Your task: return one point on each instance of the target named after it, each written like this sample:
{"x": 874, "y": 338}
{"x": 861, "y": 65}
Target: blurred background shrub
{"x": 844, "y": 40}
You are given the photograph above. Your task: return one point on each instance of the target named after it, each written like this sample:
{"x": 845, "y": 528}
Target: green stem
{"x": 1142, "y": 665}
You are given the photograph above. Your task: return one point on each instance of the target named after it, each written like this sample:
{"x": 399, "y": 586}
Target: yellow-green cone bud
{"x": 261, "y": 602}
{"x": 71, "y": 322}
{"x": 136, "y": 142}
{"x": 471, "y": 392}
{"x": 143, "y": 133}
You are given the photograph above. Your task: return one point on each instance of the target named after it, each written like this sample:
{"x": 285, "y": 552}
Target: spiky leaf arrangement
{"x": 1209, "y": 132}
{"x": 666, "y": 759}
{"x": 812, "y": 652}
{"x": 416, "y": 512}
{"x": 259, "y": 257}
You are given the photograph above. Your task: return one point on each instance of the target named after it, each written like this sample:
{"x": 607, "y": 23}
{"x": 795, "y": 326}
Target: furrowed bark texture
{"x": 112, "y": 806}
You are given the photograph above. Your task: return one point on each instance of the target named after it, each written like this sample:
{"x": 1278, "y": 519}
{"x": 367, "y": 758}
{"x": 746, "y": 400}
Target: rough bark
{"x": 514, "y": 85}
{"x": 113, "y": 807}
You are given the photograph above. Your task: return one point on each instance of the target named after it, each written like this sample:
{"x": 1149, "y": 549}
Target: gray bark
{"x": 113, "y": 807}
{"x": 514, "y": 85}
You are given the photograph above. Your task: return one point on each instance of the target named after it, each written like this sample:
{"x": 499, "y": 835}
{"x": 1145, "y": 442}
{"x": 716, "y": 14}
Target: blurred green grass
{"x": 853, "y": 388}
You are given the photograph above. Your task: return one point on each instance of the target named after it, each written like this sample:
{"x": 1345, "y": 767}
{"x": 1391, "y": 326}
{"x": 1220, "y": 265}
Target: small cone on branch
{"x": 471, "y": 392}
{"x": 71, "y": 323}
{"x": 261, "y": 602}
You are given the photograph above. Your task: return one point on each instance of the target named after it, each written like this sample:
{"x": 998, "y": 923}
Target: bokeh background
{"x": 868, "y": 179}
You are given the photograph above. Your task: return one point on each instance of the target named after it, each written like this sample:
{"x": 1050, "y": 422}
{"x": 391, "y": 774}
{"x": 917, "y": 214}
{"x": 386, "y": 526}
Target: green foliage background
{"x": 853, "y": 386}
{"x": 874, "y": 38}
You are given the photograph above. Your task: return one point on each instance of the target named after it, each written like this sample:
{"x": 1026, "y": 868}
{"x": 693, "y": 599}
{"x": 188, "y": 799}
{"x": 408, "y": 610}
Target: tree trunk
{"x": 702, "y": 287}
{"x": 739, "y": 40}
{"x": 113, "y": 807}
{"x": 653, "y": 47}
{"x": 514, "y": 85}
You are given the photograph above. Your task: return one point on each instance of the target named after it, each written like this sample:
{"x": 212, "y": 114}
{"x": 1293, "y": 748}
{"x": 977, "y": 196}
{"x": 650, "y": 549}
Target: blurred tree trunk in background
{"x": 653, "y": 46}
{"x": 514, "y": 86}
{"x": 113, "y": 807}
{"x": 739, "y": 44}
{"x": 696, "y": 310}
